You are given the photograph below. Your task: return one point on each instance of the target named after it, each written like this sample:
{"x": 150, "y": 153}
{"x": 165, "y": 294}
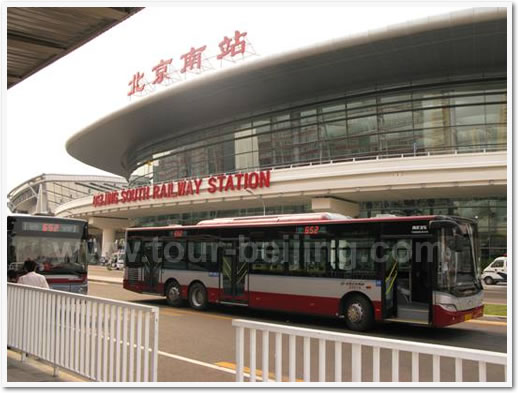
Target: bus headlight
{"x": 448, "y": 307}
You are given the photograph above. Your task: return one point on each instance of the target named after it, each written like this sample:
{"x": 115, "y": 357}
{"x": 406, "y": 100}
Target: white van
{"x": 496, "y": 271}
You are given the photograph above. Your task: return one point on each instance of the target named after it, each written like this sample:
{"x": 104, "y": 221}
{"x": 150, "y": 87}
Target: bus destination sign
{"x": 49, "y": 227}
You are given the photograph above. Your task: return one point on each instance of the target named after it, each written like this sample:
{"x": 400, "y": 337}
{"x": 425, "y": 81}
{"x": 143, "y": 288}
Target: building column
{"x": 108, "y": 226}
{"x": 334, "y": 205}
{"x": 107, "y": 242}
{"x": 42, "y": 204}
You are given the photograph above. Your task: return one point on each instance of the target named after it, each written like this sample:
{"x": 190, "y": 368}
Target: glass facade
{"x": 61, "y": 192}
{"x": 414, "y": 120}
{"x": 462, "y": 117}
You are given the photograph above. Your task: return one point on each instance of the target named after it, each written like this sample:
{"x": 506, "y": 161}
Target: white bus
{"x": 420, "y": 270}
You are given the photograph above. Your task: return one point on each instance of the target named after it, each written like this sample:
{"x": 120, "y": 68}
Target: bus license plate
{"x": 468, "y": 317}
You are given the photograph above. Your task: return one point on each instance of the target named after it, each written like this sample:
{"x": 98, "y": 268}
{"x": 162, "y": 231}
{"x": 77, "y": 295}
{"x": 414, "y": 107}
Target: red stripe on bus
{"x": 295, "y": 303}
{"x": 273, "y": 301}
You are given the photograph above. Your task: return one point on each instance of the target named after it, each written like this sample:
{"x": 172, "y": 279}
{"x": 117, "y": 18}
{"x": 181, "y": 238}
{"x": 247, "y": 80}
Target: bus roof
{"x": 275, "y": 218}
{"x": 280, "y": 220}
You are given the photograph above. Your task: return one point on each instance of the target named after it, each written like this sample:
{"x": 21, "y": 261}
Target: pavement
{"x": 105, "y": 279}
{"x": 32, "y": 370}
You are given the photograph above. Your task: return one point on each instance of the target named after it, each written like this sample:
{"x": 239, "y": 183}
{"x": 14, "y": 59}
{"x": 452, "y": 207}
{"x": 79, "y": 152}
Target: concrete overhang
{"x": 441, "y": 176}
{"x": 459, "y": 44}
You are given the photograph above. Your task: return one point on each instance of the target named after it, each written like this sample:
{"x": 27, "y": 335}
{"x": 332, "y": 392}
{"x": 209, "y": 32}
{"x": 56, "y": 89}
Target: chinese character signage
{"x": 214, "y": 184}
{"x": 194, "y": 61}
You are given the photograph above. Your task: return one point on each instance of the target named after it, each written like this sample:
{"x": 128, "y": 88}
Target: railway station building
{"x": 410, "y": 119}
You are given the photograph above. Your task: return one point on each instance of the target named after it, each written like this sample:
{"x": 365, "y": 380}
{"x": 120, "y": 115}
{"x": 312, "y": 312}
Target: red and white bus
{"x": 57, "y": 245}
{"x": 421, "y": 270}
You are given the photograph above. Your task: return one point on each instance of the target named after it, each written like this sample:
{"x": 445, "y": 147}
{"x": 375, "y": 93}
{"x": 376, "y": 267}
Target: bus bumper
{"x": 442, "y": 317}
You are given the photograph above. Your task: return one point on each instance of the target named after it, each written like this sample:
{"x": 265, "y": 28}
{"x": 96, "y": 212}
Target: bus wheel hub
{"x": 355, "y": 312}
{"x": 174, "y": 293}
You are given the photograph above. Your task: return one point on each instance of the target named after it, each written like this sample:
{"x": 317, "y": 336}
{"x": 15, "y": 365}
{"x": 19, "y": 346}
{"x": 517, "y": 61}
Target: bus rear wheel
{"x": 173, "y": 294}
{"x": 359, "y": 315}
{"x": 198, "y": 296}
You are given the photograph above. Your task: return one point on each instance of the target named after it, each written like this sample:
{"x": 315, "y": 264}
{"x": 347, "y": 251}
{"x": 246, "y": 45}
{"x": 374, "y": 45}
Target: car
{"x": 496, "y": 271}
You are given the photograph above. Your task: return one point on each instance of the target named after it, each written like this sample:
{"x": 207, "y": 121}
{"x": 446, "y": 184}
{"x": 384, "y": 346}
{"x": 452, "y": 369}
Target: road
{"x": 495, "y": 294}
{"x": 199, "y": 346}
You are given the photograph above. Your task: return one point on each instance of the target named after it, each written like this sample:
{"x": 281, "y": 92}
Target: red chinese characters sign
{"x": 214, "y": 184}
{"x": 193, "y": 61}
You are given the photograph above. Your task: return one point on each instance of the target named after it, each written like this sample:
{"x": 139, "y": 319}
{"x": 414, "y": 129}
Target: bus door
{"x": 233, "y": 274}
{"x": 407, "y": 292}
{"x": 421, "y": 275}
{"x": 396, "y": 286}
{"x": 152, "y": 253}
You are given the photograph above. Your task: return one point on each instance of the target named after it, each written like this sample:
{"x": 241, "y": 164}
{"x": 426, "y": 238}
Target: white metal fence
{"x": 100, "y": 339}
{"x": 359, "y": 351}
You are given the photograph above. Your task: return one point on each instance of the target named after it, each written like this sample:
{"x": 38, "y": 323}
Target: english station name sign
{"x": 215, "y": 184}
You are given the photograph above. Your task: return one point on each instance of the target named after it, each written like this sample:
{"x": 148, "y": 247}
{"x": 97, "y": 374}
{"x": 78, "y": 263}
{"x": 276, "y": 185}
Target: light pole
{"x": 260, "y": 198}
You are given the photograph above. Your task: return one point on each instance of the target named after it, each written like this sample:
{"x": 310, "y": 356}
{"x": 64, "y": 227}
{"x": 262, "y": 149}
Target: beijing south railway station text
{"x": 220, "y": 183}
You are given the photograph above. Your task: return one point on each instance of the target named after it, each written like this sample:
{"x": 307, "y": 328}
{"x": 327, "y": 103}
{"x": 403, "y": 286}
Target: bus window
{"x": 364, "y": 260}
{"x": 315, "y": 256}
{"x": 152, "y": 252}
{"x": 131, "y": 251}
{"x": 295, "y": 264}
{"x": 175, "y": 254}
{"x": 253, "y": 254}
{"x": 197, "y": 255}
{"x": 264, "y": 255}
{"x": 203, "y": 255}
{"x": 354, "y": 256}
{"x": 273, "y": 255}
{"x": 341, "y": 251}
{"x": 399, "y": 251}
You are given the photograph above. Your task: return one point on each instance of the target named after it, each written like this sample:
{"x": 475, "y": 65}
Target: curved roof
{"x": 43, "y": 193}
{"x": 46, "y": 177}
{"x": 471, "y": 42}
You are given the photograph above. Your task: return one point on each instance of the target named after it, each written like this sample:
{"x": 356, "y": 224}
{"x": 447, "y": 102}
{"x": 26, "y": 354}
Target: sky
{"x": 45, "y": 110}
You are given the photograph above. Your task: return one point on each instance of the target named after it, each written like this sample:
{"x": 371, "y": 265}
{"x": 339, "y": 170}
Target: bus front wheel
{"x": 358, "y": 312}
{"x": 198, "y": 296}
{"x": 173, "y": 294}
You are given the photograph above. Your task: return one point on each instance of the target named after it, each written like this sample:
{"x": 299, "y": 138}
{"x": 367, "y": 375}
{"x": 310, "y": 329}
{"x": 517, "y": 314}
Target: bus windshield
{"x": 458, "y": 261}
{"x": 56, "y": 255}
